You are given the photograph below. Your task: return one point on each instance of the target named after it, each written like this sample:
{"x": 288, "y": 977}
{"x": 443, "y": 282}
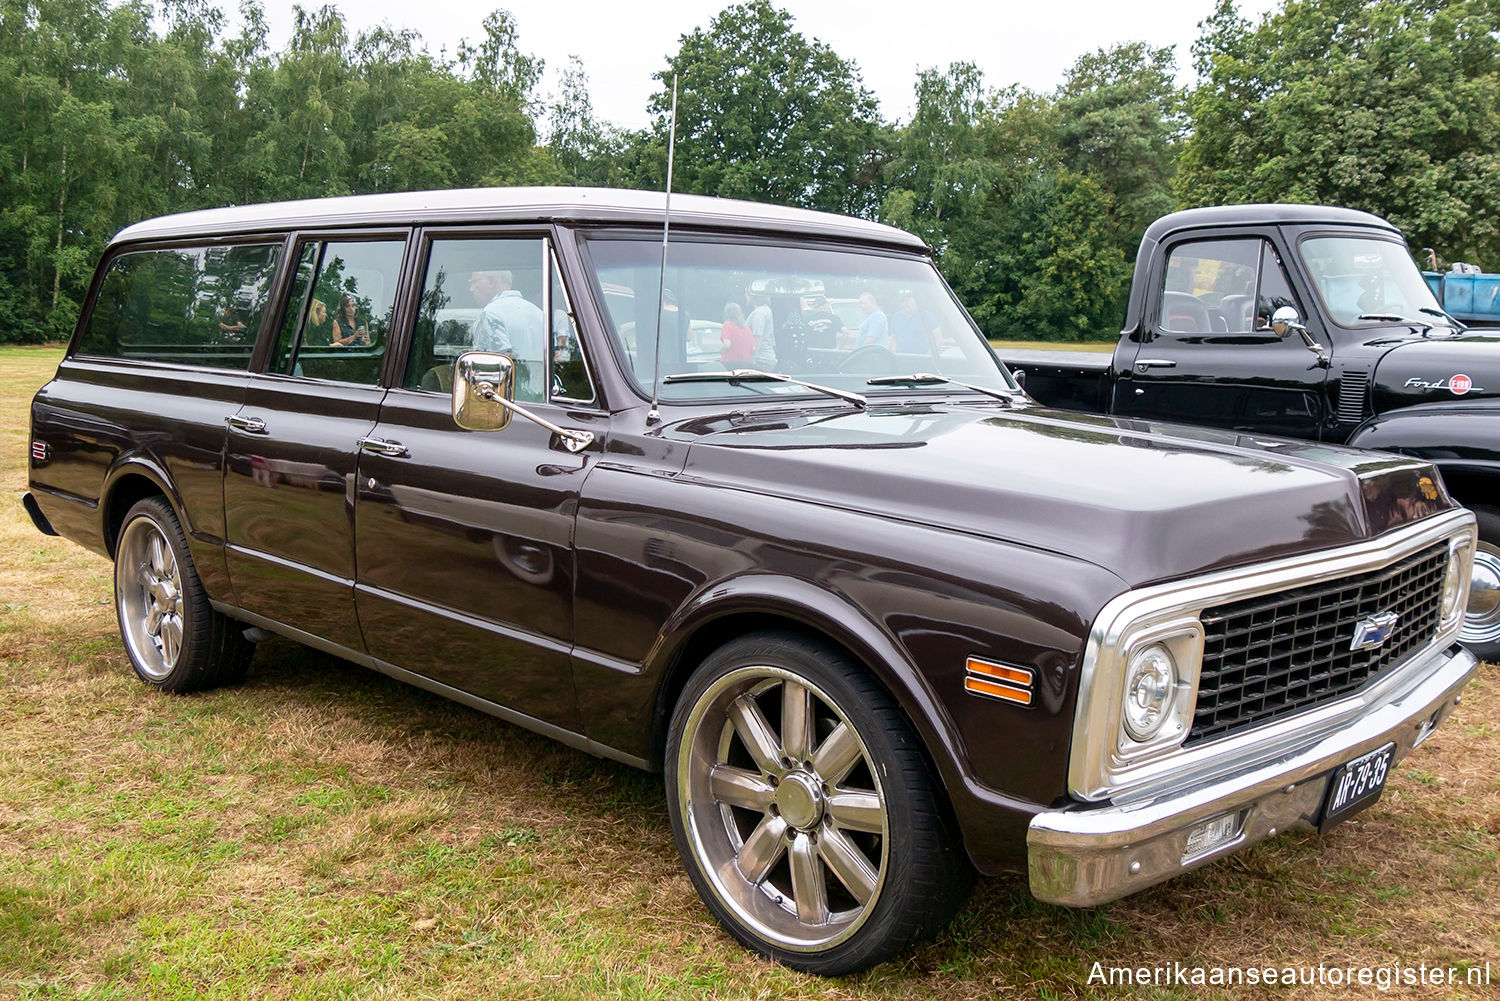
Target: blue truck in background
{"x": 1467, "y": 294}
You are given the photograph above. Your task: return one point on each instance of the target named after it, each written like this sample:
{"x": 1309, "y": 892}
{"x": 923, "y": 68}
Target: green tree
{"x": 940, "y": 172}
{"x": 1392, "y": 106}
{"x": 766, "y": 114}
{"x": 1119, "y": 115}
{"x": 586, "y": 150}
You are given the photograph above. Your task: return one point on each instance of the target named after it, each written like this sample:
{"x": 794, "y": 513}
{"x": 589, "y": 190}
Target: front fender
{"x": 1455, "y": 438}
{"x": 820, "y": 610}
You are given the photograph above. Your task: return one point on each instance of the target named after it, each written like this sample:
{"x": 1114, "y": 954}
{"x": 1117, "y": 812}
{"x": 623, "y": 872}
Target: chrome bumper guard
{"x": 1087, "y": 856}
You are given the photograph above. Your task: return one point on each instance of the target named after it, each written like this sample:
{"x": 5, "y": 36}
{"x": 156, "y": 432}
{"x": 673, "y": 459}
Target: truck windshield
{"x": 831, "y": 316}
{"x": 1367, "y": 282}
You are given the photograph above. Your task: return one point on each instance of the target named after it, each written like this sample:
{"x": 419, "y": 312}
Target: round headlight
{"x": 1150, "y": 683}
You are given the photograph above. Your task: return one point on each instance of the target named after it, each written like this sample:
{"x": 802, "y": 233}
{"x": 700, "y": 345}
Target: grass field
{"x": 324, "y": 832}
{"x": 1096, "y": 347}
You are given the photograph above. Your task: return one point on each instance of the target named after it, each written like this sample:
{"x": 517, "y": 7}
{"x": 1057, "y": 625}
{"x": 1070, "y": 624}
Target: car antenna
{"x": 654, "y": 414}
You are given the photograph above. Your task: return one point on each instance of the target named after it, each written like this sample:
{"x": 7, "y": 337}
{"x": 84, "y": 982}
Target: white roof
{"x": 479, "y": 205}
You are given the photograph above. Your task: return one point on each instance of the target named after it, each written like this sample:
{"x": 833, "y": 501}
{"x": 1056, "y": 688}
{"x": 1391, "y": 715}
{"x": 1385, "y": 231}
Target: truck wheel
{"x": 173, "y": 636}
{"x": 803, "y": 808}
{"x": 1481, "y": 629}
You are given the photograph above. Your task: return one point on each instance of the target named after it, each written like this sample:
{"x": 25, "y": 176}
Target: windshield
{"x": 834, "y": 317}
{"x": 1366, "y": 282}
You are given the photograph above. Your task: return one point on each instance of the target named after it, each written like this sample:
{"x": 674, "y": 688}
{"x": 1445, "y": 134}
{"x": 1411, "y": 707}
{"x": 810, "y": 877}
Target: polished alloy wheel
{"x": 1482, "y": 617}
{"x": 783, "y": 808}
{"x": 148, "y": 590}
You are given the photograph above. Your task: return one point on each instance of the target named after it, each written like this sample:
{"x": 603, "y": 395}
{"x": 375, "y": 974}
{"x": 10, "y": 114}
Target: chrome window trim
{"x": 1095, "y": 770}
{"x": 588, "y": 373}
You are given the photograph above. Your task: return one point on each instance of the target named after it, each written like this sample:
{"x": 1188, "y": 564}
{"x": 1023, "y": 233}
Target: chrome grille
{"x": 1280, "y": 654}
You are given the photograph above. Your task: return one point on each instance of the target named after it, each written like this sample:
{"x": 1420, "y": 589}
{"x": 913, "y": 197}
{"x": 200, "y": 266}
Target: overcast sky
{"x": 623, "y": 43}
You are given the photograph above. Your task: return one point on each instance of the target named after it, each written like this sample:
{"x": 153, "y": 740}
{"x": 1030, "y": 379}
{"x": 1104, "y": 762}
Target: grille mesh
{"x": 1274, "y": 656}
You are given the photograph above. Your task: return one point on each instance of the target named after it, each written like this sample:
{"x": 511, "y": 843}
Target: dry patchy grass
{"x": 322, "y": 832}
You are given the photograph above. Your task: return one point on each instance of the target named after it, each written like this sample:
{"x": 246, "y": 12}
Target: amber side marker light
{"x": 998, "y": 681}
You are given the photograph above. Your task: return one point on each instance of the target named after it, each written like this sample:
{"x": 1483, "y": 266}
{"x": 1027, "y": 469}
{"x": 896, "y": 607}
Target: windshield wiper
{"x": 1444, "y": 317}
{"x": 733, "y": 376}
{"x": 928, "y": 378}
{"x": 1386, "y": 317}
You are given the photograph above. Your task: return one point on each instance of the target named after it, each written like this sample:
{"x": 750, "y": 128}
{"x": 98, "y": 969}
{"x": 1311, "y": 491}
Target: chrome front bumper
{"x": 1092, "y": 855}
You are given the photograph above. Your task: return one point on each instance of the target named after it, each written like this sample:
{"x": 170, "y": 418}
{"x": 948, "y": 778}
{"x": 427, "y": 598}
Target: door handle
{"x": 380, "y": 446}
{"x": 249, "y": 425}
{"x": 1143, "y": 364}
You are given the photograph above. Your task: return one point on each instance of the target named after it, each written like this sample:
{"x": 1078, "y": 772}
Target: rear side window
{"x": 189, "y": 305}
{"x": 338, "y": 316}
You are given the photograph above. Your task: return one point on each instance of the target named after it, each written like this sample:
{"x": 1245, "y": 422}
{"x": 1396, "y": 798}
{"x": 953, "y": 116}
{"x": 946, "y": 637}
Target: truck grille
{"x": 1280, "y": 654}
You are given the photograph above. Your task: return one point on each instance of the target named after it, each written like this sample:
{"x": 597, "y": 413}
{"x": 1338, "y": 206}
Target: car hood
{"x": 1438, "y": 370}
{"x": 1145, "y": 500}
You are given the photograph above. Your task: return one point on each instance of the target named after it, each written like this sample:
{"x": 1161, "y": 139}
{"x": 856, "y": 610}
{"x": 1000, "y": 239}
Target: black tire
{"x": 1481, "y": 631}
{"x": 173, "y": 637}
{"x": 806, "y": 901}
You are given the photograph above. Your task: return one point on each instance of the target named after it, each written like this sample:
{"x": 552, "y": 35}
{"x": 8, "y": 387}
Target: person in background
{"x": 231, "y": 327}
{"x": 317, "y": 330}
{"x": 510, "y": 324}
{"x": 826, "y": 329}
{"x": 874, "y": 329}
{"x": 913, "y": 331}
{"x": 738, "y": 341}
{"x": 763, "y": 328}
{"x": 348, "y": 329}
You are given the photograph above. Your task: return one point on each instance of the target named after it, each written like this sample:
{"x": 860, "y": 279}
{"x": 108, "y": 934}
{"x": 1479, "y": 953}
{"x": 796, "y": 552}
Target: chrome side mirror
{"x": 1285, "y": 320}
{"x": 483, "y": 383}
{"x": 484, "y": 397}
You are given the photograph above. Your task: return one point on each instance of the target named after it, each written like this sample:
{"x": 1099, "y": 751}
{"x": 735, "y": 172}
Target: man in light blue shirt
{"x": 510, "y": 324}
{"x": 874, "y": 328}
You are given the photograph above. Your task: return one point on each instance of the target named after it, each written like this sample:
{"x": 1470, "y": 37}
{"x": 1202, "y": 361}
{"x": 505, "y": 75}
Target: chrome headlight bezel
{"x": 1105, "y": 763}
{"x": 1456, "y": 583}
{"x": 1181, "y": 640}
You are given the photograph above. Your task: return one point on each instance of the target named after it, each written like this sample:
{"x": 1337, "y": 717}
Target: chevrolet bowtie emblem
{"x": 1371, "y": 632}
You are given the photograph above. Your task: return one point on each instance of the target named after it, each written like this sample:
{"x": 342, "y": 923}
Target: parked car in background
{"x": 879, "y": 618}
{"x": 1310, "y": 322}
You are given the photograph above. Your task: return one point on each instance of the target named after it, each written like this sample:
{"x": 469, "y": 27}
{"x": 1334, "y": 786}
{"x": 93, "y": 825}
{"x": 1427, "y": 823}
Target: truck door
{"x": 1209, "y": 355}
{"x": 290, "y": 464}
{"x": 465, "y": 539}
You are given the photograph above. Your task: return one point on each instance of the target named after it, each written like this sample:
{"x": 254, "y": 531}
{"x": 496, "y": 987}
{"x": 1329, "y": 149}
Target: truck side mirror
{"x": 483, "y": 383}
{"x": 1285, "y": 320}
{"x": 484, "y": 397}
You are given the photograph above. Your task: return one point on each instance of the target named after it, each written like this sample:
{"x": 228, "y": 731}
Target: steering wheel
{"x": 877, "y": 357}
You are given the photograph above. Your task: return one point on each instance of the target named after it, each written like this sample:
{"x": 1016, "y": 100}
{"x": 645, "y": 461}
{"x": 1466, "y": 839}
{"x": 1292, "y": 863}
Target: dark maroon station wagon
{"x": 773, "y": 520}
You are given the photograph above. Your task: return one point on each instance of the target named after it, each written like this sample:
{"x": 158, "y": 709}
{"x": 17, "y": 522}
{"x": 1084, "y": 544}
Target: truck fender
{"x": 822, "y": 611}
{"x": 1448, "y": 436}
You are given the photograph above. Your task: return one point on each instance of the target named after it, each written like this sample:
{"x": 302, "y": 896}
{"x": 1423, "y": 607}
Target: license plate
{"x": 1356, "y": 785}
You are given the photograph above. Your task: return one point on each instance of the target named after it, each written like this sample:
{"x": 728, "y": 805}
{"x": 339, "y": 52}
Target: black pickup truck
{"x": 1307, "y": 322}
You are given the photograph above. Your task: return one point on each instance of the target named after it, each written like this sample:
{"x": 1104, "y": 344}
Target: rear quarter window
{"x": 188, "y": 305}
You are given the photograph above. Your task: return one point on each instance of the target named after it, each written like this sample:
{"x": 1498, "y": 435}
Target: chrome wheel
{"x": 1482, "y": 616}
{"x": 783, "y": 809}
{"x": 149, "y": 598}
